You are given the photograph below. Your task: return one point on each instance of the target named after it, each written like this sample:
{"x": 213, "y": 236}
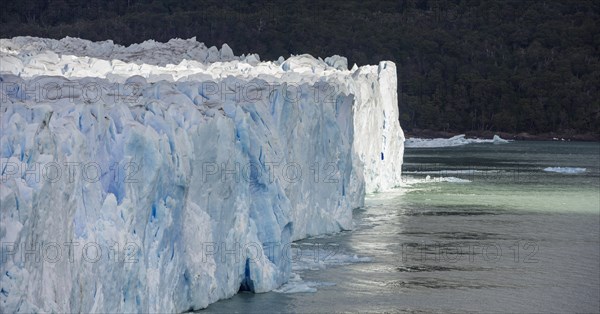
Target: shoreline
{"x": 522, "y": 136}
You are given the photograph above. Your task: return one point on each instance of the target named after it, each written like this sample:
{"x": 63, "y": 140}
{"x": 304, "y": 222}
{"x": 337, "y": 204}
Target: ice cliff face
{"x": 162, "y": 177}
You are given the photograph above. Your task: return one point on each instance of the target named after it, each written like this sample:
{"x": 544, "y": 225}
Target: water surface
{"x": 475, "y": 228}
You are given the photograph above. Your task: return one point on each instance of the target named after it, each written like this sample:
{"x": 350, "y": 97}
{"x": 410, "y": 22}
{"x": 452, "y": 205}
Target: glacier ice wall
{"x": 166, "y": 176}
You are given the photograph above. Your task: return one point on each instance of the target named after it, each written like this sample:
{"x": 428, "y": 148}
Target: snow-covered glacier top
{"x": 148, "y": 52}
{"x": 177, "y": 59}
{"x": 163, "y": 177}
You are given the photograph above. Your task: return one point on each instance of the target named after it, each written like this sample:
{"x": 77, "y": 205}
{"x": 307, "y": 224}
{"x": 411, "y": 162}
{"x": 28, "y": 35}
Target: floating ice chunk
{"x": 457, "y": 140}
{"x": 567, "y": 170}
{"x": 297, "y": 285}
{"x": 498, "y": 140}
{"x": 453, "y": 180}
{"x": 430, "y": 179}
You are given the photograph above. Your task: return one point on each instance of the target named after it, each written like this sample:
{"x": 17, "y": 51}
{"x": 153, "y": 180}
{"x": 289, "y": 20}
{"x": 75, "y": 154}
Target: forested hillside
{"x": 512, "y": 65}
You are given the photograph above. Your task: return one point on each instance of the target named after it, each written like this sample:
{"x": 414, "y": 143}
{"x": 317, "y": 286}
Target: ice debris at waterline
{"x": 296, "y": 285}
{"x": 567, "y": 170}
{"x": 457, "y": 140}
{"x": 162, "y": 177}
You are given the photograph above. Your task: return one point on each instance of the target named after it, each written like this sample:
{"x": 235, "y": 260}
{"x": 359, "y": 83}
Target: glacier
{"x": 162, "y": 177}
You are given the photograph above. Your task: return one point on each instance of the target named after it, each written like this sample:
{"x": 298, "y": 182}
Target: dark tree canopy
{"x": 507, "y": 65}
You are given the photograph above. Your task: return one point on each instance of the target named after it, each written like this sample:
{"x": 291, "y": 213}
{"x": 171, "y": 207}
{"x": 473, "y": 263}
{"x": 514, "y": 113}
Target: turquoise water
{"x": 490, "y": 230}
{"x": 511, "y": 176}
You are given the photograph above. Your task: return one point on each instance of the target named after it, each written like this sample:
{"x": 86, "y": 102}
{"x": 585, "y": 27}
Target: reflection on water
{"x": 498, "y": 243}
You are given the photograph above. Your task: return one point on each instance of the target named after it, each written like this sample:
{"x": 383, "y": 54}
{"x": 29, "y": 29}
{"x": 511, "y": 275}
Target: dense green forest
{"x": 511, "y": 65}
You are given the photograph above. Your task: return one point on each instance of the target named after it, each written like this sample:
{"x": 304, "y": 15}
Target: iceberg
{"x": 162, "y": 177}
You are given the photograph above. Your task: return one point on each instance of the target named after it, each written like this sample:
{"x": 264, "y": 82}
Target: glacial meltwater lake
{"x": 475, "y": 228}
